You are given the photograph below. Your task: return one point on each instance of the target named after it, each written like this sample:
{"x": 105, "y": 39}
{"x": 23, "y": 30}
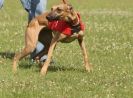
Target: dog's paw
{"x": 14, "y": 71}
{"x": 88, "y": 68}
{"x": 43, "y": 71}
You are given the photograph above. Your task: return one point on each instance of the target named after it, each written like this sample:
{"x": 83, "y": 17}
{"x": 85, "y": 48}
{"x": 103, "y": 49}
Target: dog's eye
{"x": 59, "y": 10}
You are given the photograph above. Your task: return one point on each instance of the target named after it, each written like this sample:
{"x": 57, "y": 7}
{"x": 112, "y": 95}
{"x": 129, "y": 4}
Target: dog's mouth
{"x": 52, "y": 18}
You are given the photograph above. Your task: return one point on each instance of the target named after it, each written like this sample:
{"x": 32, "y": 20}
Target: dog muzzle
{"x": 52, "y": 18}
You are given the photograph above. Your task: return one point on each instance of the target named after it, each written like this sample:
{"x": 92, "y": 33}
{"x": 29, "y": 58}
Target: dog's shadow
{"x": 63, "y": 68}
{"x": 10, "y": 55}
{"x": 7, "y": 55}
{"x": 52, "y": 68}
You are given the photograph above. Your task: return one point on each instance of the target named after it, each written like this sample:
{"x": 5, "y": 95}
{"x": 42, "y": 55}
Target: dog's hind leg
{"x": 31, "y": 38}
{"x": 20, "y": 55}
{"x": 84, "y": 51}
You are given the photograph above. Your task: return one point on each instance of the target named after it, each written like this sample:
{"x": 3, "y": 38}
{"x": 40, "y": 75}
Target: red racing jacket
{"x": 63, "y": 27}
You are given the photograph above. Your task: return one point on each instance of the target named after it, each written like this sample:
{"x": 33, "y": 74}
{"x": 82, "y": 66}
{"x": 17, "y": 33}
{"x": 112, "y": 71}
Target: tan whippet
{"x": 61, "y": 12}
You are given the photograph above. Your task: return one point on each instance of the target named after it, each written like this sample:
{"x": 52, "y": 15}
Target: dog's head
{"x": 61, "y": 12}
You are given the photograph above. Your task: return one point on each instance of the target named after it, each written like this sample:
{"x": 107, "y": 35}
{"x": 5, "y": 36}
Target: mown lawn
{"x": 109, "y": 41}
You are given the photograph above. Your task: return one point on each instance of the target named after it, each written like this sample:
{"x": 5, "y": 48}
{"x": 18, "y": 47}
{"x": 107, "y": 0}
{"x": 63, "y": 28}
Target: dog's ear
{"x": 70, "y": 7}
{"x": 64, "y": 1}
{"x": 71, "y": 11}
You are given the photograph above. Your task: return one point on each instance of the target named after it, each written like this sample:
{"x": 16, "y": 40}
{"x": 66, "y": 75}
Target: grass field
{"x": 109, "y": 41}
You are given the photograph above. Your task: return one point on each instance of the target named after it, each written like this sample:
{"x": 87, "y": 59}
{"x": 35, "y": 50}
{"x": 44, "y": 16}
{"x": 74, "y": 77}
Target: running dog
{"x": 66, "y": 26}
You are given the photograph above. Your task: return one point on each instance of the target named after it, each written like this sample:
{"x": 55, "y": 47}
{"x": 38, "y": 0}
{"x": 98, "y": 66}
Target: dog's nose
{"x": 52, "y": 17}
{"x": 48, "y": 17}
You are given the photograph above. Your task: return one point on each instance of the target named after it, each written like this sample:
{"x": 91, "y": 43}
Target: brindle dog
{"x": 63, "y": 12}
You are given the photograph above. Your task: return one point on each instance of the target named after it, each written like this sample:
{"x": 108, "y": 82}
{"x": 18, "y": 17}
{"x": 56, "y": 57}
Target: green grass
{"x": 109, "y": 41}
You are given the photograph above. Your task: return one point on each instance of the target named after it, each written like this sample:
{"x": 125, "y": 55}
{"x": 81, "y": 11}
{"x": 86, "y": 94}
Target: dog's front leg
{"x": 84, "y": 51}
{"x": 51, "y": 48}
